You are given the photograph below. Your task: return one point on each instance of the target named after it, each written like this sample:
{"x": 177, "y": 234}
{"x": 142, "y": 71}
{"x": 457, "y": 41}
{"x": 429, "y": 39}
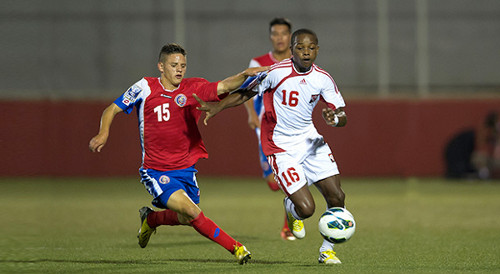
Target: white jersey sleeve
{"x": 330, "y": 92}
{"x": 254, "y": 64}
{"x": 264, "y": 85}
{"x": 133, "y": 96}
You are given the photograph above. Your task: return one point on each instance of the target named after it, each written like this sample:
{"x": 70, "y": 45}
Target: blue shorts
{"x": 161, "y": 184}
{"x": 266, "y": 168}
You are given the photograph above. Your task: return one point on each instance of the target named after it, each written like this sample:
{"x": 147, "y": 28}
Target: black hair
{"x": 171, "y": 49}
{"x": 280, "y": 21}
{"x": 303, "y": 31}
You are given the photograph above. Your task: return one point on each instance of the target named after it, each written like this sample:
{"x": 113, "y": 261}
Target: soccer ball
{"x": 337, "y": 225}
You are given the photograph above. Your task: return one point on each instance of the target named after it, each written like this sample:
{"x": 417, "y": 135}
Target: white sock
{"x": 290, "y": 207}
{"x": 326, "y": 246}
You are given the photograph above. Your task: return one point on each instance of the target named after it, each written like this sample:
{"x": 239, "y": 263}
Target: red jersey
{"x": 263, "y": 60}
{"x": 168, "y": 120}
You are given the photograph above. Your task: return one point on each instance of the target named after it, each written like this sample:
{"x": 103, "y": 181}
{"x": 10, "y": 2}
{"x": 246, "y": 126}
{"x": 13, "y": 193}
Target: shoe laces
{"x": 329, "y": 253}
{"x": 239, "y": 250}
{"x": 298, "y": 225}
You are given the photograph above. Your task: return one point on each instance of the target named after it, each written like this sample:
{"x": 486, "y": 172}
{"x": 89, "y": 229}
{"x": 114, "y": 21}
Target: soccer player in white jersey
{"x": 171, "y": 145}
{"x": 295, "y": 150}
{"x": 280, "y": 32}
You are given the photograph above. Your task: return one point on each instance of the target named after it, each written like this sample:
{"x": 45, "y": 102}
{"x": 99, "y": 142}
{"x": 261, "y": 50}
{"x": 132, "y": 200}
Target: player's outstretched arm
{"x": 233, "y": 82}
{"x": 234, "y": 99}
{"x": 98, "y": 141}
{"x": 335, "y": 118}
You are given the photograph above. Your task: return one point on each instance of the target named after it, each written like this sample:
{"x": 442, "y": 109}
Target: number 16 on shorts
{"x": 288, "y": 173}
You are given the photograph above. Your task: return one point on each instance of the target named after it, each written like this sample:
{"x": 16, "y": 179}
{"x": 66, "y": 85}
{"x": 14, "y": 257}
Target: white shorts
{"x": 292, "y": 172}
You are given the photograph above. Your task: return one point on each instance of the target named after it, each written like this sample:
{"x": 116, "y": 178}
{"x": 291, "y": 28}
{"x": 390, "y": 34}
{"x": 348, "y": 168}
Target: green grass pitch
{"x": 70, "y": 225}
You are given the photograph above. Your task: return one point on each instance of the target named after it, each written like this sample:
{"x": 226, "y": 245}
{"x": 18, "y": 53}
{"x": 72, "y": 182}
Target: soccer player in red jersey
{"x": 280, "y": 32}
{"x": 171, "y": 144}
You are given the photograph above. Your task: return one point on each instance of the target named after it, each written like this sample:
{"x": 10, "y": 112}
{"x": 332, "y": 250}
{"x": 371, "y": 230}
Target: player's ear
{"x": 160, "y": 67}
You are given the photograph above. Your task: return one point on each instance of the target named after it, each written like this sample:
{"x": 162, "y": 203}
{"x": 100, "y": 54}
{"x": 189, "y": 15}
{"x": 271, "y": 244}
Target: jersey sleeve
{"x": 264, "y": 85}
{"x": 131, "y": 97}
{"x": 207, "y": 91}
{"x": 254, "y": 63}
{"x": 331, "y": 94}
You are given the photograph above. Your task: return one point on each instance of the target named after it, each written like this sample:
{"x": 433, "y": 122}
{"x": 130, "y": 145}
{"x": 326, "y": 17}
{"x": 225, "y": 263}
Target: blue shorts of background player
{"x": 267, "y": 172}
{"x": 266, "y": 168}
{"x": 161, "y": 184}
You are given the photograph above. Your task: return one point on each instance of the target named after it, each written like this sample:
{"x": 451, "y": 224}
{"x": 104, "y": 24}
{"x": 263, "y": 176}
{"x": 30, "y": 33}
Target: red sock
{"x": 285, "y": 225}
{"x": 273, "y": 185}
{"x": 209, "y": 229}
{"x": 164, "y": 217}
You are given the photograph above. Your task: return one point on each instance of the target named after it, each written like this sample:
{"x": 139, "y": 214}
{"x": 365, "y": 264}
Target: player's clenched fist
{"x": 97, "y": 143}
{"x": 335, "y": 118}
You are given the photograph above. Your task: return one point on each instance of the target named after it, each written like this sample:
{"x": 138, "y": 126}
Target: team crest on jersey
{"x": 180, "y": 100}
{"x": 131, "y": 94}
{"x": 164, "y": 179}
{"x": 314, "y": 97}
{"x": 331, "y": 157}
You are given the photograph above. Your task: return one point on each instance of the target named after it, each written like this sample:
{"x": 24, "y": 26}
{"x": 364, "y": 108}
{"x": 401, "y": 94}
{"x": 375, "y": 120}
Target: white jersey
{"x": 289, "y": 100}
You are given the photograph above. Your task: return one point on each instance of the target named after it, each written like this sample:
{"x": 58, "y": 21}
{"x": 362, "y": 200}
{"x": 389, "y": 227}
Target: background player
{"x": 280, "y": 32}
{"x": 295, "y": 150}
{"x": 486, "y": 155}
{"x": 171, "y": 144}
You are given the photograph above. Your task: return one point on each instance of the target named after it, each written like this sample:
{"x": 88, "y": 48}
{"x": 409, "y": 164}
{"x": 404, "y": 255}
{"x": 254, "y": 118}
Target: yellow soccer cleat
{"x": 242, "y": 254}
{"x": 145, "y": 231}
{"x": 296, "y": 226}
{"x": 328, "y": 257}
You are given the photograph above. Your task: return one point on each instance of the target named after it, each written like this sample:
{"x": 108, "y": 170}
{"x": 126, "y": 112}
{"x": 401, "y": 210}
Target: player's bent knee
{"x": 184, "y": 219}
{"x": 305, "y": 210}
{"x": 307, "y": 213}
{"x": 189, "y": 213}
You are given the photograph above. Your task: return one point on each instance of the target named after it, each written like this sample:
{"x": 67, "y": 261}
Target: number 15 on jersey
{"x": 162, "y": 112}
